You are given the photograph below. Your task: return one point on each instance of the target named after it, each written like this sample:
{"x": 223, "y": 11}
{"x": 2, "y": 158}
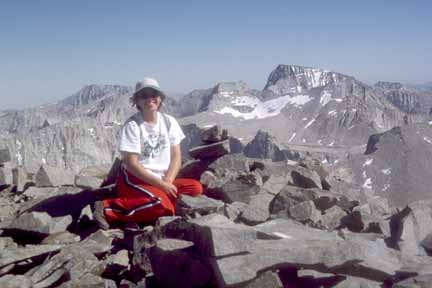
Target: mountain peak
{"x": 94, "y": 92}
{"x": 287, "y": 79}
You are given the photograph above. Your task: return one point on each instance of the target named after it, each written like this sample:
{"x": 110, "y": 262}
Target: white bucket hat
{"x": 149, "y": 83}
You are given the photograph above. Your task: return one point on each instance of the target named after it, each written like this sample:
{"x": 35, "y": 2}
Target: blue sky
{"x": 51, "y": 49}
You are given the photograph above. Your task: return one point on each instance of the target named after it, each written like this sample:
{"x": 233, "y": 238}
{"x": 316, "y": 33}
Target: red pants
{"x": 140, "y": 202}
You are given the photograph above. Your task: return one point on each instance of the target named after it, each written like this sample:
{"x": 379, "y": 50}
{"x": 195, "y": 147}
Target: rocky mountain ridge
{"x": 317, "y": 108}
{"x": 260, "y": 224}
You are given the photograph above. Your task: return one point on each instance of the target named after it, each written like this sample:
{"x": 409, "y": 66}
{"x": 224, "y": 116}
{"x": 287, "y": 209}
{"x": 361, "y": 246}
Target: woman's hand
{"x": 169, "y": 188}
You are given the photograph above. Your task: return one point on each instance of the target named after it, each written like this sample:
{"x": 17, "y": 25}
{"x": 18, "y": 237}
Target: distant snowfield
{"x": 263, "y": 109}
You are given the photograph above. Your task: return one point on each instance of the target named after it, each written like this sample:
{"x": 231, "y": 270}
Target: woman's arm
{"x": 133, "y": 166}
{"x": 175, "y": 164}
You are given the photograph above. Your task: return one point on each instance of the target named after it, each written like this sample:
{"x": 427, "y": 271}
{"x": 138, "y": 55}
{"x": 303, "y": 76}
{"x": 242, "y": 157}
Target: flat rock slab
{"x": 88, "y": 182}
{"x": 423, "y": 281}
{"x": 13, "y": 255}
{"x": 356, "y": 257}
{"x": 214, "y": 134}
{"x": 89, "y": 280}
{"x": 5, "y": 155}
{"x": 200, "y": 204}
{"x": 289, "y": 229}
{"x": 40, "y": 222}
{"x": 233, "y": 162}
{"x": 268, "y": 279}
{"x": 20, "y": 178}
{"x": 58, "y": 201}
{"x": 6, "y": 177}
{"x": 210, "y": 151}
{"x": 240, "y": 189}
{"x": 38, "y": 192}
{"x": 16, "y": 281}
{"x": 48, "y": 176}
{"x": 215, "y": 235}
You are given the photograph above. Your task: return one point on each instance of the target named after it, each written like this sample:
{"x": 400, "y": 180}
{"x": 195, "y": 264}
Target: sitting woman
{"x": 151, "y": 158}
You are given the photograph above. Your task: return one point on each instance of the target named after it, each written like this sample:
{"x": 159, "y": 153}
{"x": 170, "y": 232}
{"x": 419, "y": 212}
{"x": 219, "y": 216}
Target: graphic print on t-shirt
{"x": 153, "y": 145}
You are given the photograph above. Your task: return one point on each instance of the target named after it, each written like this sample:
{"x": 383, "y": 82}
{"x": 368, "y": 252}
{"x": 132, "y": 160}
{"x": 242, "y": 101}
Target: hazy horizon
{"x": 52, "y": 49}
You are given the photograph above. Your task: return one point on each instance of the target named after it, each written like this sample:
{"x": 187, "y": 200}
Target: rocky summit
{"x": 317, "y": 180}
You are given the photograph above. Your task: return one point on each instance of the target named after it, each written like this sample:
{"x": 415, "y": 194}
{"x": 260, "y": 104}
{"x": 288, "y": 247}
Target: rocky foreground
{"x": 262, "y": 223}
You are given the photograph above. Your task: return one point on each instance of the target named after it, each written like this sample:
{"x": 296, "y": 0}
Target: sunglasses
{"x": 147, "y": 94}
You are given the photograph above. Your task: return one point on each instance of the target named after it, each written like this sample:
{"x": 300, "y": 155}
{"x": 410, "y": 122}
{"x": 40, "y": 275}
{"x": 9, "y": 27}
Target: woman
{"x": 151, "y": 158}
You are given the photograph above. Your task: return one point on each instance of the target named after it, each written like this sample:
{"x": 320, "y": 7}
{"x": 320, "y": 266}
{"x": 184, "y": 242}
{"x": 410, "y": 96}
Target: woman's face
{"x": 148, "y": 101}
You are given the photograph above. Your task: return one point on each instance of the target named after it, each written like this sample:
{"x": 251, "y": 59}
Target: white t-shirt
{"x": 151, "y": 141}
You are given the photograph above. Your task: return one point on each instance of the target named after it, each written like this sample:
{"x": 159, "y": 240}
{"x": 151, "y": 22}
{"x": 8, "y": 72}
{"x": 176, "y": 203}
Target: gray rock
{"x": 121, "y": 258}
{"x": 315, "y": 165}
{"x": 230, "y": 162}
{"x": 20, "y": 178}
{"x": 265, "y": 146}
{"x": 14, "y": 255}
{"x": 355, "y": 257}
{"x": 305, "y": 212}
{"x": 81, "y": 258}
{"x": 422, "y": 281}
{"x": 202, "y": 204}
{"x": 86, "y": 214}
{"x": 305, "y": 178}
{"x": 232, "y": 211}
{"x": 88, "y": 182}
{"x": 48, "y": 273}
{"x": 57, "y": 201}
{"x": 61, "y": 238}
{"x": 98, "y": 171}
{"x": 410, "y": 227}
{"x": 39, "y": 192}
{"x": 174, "y": 266}
{"x": 48, "y": 176}
{"x": 268, "y": 279}
{"x": 360, "y": 221}
{"x": 239, "y": 189}
{"x": 15, "y": 281}
{"x": 311, "y": 278}
{"x": 331, "y": 219}
{"x": 214, "y": 235}
{"x": 89, "y": 280}
{"x": 214, "y": 134}
{"x": 4, "y": 156}
{"x": 164, "y": 220}
{"x": 291, "y": 195}
{"x": 274, "y": 184}
{"x": 7, "y": 242}
{"x": 258, "y": 209}
{"x": 6, "y": 177}
{"x": 427, "y": 243}
{"x": 40, "y": 222}
{"x": 207, "y": 177}
{"x": 210, "y": 151}
{"x": 356, "y": 282}
{"x": 8, "y": 209}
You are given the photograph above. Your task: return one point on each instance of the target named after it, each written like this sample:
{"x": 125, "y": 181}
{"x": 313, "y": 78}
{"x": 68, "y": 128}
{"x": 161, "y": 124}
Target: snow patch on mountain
{"x": 325, "y": 97}
{"x": 261, "y": 109}
{"x": 427, "y": 139}
{"x": 309, "y": 123}
{"x": 368, "y": 183}
{"x": 368, "y": 162}
{"x": 292, "y": 137}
